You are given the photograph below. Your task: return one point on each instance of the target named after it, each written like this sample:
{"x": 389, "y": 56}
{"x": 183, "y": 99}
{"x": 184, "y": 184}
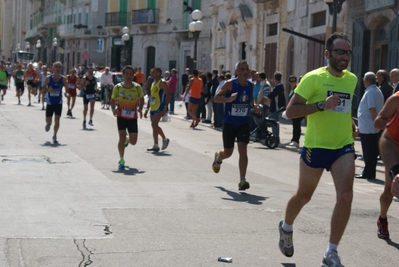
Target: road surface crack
{"x": 84, "y": 251}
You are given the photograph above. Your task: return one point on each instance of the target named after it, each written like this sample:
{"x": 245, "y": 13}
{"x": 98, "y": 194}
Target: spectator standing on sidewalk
{"x": 296, "y": 122}
{"x": 185, "y": 79}
{"x": 324, "y": 95}
{"x": 370, "y": 105}
{"x": 278, "y": 91}
{"x": 172, "y": 84}
{"x": 383, "y": 83}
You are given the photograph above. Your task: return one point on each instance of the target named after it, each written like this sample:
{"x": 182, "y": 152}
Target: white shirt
{"x": 106, "y": 79}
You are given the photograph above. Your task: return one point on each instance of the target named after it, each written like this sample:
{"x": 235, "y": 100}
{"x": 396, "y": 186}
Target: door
{"x": 360, "y": 56}
{"x": 315, "y": 53}
{"x": 150, "y": 59}
{"x": 270, "y": 60}
{"x": 123, "y": 13}
{"x": 393, "y": 45}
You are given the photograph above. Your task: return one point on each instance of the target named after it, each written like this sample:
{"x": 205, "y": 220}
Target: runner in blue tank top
{"x": 237, "y": 94}
{"x": 52, "y": 87}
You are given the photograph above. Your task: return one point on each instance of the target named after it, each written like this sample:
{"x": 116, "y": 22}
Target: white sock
{"x": 155, "y": 145}
{"x": 331, "y": 247}
{"x": 287, "y": 227}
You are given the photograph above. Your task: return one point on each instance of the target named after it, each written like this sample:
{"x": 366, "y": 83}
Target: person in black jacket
{"x": 185, "y": 80}
{"x": 383, "y": 83}
{"x": 217, "y": 120}
{"x": 278, "y": 91}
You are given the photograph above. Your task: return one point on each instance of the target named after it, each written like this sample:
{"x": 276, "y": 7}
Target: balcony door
{"x": 123, "y": 12}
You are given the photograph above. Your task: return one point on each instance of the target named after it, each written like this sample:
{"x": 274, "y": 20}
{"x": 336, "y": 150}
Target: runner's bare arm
{"x": 219, "y": 97}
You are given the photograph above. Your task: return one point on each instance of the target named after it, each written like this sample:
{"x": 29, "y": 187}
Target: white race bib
{"x": 240, "y": 110}
{"x": 19, "y": 77}
{"x": 128, "y": 113}
{"x": 344, "y": 103}
{"x": 55, "y": 93}
{"x": 30, "y": 78}
{"x": 152, "y": 100}
{"x": 90, "y": 96}
{"x": 71, "y": 85}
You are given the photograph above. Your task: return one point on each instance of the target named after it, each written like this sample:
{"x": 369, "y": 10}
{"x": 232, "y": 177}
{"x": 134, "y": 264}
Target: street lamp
{"x": 18, "y": 47}
{"x": 335, "y": 7}
{"x": 55, "y": 44}
{"x": 38, "y": 46}
{"x": 196, "y": 26}
{"x": 125, "y": 39}
{"x": 27, "y": 45}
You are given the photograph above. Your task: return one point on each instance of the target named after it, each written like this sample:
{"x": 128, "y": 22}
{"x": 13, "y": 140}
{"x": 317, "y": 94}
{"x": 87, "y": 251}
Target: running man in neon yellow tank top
{"x": 158, "y": 102}
{"x": 324, "y": 95}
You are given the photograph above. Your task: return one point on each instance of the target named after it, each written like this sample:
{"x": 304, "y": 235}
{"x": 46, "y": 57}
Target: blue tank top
{"x": 54, "y": 97}
{"x": 237, "y": 112}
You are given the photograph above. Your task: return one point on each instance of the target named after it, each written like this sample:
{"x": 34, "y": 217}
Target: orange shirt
{"x": 139, "y": 77}
{"x": 196, "y": 88}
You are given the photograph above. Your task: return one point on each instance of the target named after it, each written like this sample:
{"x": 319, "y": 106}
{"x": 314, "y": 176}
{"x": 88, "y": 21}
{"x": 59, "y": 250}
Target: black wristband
{"x": 394, "y": 171}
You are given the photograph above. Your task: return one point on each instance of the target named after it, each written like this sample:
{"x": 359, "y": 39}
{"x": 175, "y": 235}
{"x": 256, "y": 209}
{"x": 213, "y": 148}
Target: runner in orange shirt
{"x": 388, "y": 120}
{"x": 139, "y": 76}
{"x": 195, "y": 87}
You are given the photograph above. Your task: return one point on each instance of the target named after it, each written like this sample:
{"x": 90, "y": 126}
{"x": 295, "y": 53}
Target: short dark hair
{"x": 292, "y": 77}
{"x": 159, "y": 70}
{"x": 195, "y": 72}
{"x": 209, "y": 75}
{"x": 262, "y": 75}
{"x": 333, "y": 37}
{"x": 127, "y": 67}
{"x": 383, "y": 73}
{"x": 215, "y": 71}
{"x": 278, "y": 75}
{"x": 228, "y": 76}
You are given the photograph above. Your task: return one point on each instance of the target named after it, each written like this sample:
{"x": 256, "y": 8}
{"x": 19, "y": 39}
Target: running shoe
{"x": 127, "y": 141}
{"x": 19, "y": 102}
{"x": 70, "y": 113}
{"x": 29, "y": 104}
{"x": 47, "y": 128}
{"x": 121, "y": 164}
{"x": 42, "y": 107}
{"x": 2, "y": 97}
{"x": 154, "y": 149}
{"x": 165, "y": 143}
{"x": 91, "y": 123}
{"x": 382, "y": 231}
{"x": 197, "y": 120}
{"x": 38, "y": 101}
{"x": 285, "y": 243}
{"x": 243, "y": 185}
{"x": 216, "y": 164}
{"x": 332, "y": 260}
{"x": 84, "y": 125}
{"x": 55, "y": 139}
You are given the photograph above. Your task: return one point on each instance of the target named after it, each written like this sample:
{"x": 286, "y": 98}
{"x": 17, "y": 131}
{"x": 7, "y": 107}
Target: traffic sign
{"x": 85, "y": 55}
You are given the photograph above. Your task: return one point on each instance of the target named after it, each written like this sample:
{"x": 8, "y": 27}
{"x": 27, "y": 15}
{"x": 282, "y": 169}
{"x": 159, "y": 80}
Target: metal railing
{"x": 145, "y": 16}
{"x": 116, "y": 19}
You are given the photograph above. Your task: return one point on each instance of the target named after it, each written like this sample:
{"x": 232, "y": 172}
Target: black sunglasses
{"x": 342, "y": 52}
{"x": 292, "y": 81}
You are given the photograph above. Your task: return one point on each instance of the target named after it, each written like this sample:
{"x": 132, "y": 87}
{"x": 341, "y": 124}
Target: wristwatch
{"x": 320, "y": 106}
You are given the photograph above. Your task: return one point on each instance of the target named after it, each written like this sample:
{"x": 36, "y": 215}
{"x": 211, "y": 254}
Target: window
{"x": 318, "y": 19}
{"x": 272, "y": 29}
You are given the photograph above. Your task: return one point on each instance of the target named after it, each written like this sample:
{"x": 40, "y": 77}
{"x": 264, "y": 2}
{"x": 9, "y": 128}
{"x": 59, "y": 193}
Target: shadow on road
{"x": 160, "y": 153}
{"x": 289, "y": 264}
{"x": 376, "y": 181}
{"x": 242, "y": 197}
{"x": 89, "y": 129}
{"x": 50, "y": 144}
{"x": 391, "y": 243}
{"x": 129, "y": 171}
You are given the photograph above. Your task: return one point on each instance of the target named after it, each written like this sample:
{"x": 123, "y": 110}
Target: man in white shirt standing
{"x": 394, "y": 77}
{"x": 106, "y": 83}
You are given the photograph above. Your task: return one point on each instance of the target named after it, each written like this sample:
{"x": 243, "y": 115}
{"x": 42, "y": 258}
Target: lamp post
{"x": 38, "y": 46}
{"x": 27, "y": 45}
{"x": 55, "y": 44}
{"x": 196, "y": 26}
{"x": 125, "y": 39}
{"x": 335, "y": 7}
{"x": 18, "y": 47}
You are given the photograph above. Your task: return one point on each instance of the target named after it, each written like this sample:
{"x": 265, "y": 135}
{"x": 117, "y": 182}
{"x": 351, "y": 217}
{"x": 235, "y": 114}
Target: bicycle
{"x": 107, "y": 97}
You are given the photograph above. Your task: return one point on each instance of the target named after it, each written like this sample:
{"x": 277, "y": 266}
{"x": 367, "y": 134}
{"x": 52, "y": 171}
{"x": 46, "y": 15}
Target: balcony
{"x": 93, "y": 31}
{"x": 32, "y": 33}
{"x": 147, "y": 16}
{"x": 52, "y": 14}
{"x": 116, "y": 19}
{"x": 66, "y": 30}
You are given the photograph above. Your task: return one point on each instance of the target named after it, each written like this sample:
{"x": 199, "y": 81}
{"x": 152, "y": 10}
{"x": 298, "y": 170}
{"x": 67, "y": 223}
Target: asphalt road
{"x": 68, "y": 205}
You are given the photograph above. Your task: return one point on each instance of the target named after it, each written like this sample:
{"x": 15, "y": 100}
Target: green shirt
{"x": 3, "y": 77}
{"x": 18, "y": 76}
{"x": 330, "y": 129}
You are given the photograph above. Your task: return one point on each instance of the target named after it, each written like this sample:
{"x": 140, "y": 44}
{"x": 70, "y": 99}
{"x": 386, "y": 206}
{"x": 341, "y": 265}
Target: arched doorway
{"x": 150, "y": 59}
{"x": 381, "y": 47}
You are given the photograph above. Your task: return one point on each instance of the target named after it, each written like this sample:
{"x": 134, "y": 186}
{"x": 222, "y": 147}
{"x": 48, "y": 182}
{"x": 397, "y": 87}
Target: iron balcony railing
{"x": 145, "y": 16}
{"x": 113, "y": 19}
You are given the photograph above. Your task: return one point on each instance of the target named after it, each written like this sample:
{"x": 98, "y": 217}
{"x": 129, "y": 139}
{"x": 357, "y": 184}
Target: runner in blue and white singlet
{"x": 52, "y": 86}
